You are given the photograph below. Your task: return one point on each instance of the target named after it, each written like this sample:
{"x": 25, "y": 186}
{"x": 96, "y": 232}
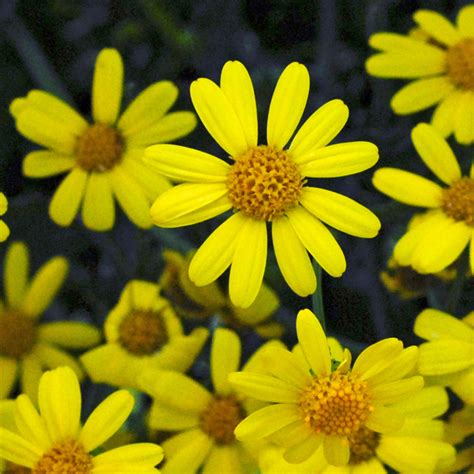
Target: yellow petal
{"x": 464, "y": 125}
{"x": 17, "y": 450}
{"x": 237, "y": 87}
{"x": 462, "y": 387}
{"x": 396, "y": 391}
{"x": 148, "y": 107}
{"x": 176, "y": 443}
{"x": 436, "y": 153}
{"x": 51, "y": 357}
{"x": 216, "y": 253}
{"x": 8, "y": 368}
{"x": 340, "y": 212}
{"x": 98, "y": 209}
{"x": 319, "y": 129}
{"x": 400, "y": 366}
{"x": 287, "y": 104}
{"x": 45, "y": 285}
{"x": 218, "y": 116}
{"x": 407, "y": 187}
{"x": 265, "y": 304}
{"x": 225, "y": 358}
{"x": 31, "y": 372}
{"x": 107, "y": 86}
{"x": 65, "y": 204}
{"x": 59, "y": 398}
{"x": 313, "y": 343}
{"x": 4, "y": 231}
{"x": 336, "y": 450}
{"x": 302, "y": 451}
{"x": 189, "y": 203}
{"x": 70, "y": 334}
{"x": 445, "y": 356}
{"x": 17, "y": 106}
{"x": 163, "y": 417}
{"x": 445, "y": 115}
{"x": 394, "y": 42}
{"x": 437, "y": 26}
{"x": 384, "y": 420}
{"x": 181, "y": 163}
{"x": 131, "y": 197}
{"x": 465, "y": 20}
{"x": 248, "y": 263}
{"x": 292, "y": 258}
{"x": 319, "y": 241}
{"x": 421, "y": 94}
{"x": 228, "y": 456}
{"x": 106, "y": 419}
{"x": 338, "y": 160}
{"x": 138, "y": 454}
{"x": 42, "y": 164}
{"x": 427, "y": 403}
{"x": 16, "y": 273}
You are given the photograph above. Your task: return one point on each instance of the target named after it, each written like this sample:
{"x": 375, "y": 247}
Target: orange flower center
{"x": 264, "y": 182}
{"x": 143, "y": 332}
{"x": 458, "y": 201}
{"x": 221, "y": 417}
{"x": 68, "y": 456}
{"x": 363, "y": 444}
{"x": 99, "y": 148}
{"x": 18, "y": 333}
{"x": 460, "y": 62}
{"x": 336, "y": 405}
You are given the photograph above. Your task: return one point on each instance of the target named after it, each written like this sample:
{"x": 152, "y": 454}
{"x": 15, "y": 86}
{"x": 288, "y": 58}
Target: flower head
{"x": 53, "y": 440}
{"x": 448, "y": 357}
{"x": 315, "y": 404}
{"x": 441, "y": 59}
{"x": 265, "y": 183}
{"x": 141, "y": 331}
{"x": 102, "y": 158}
{"x": 26, "y": 346}
{"x": 450, "y": 209}
{"x": 4, "y": 230}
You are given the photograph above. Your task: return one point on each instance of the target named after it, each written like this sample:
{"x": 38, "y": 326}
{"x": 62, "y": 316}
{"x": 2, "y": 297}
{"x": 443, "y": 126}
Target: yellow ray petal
{"x": 384, "y": 420}
{"x": 302, "y": 451}
{"x": 41, "y": 164}
{"x": 284, "y": 365}
{"x": 434, "y": 324}
{"x": 400, "y": 366}
{"x": 445, "y": 115}
{"x": 287, "y": 104}
{"x": 163, "y": 417}
{"x": 395, "y": 42}
{"x": 225, "y": 358}
{"x": 445, "y": 356}
{"x": 51, "y": 357}
{"x": 396, "y": 391}
{"x": 137, "y": 454}
{"x": 16, "y": 273}
{"x": 107, "y": 86}
{"x": 31, "y": 372}
{"x": 98, "y": 209}
{"x": 70, "y": 334}
{"x": 437, "y": 26}
{"x": 336, "y": 450}
{"x": 227, "y": 456}
{"x": 17, "y": 450}
{"x": 465, "y": 20}
{"x": 9, "y": 369}
{"x": 427, "y": 403}
{"x": 464, "y": 125}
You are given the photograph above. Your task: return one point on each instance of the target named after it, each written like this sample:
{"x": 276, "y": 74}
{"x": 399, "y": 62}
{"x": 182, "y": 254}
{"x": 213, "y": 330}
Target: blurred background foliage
{"x": 52, "y": 45}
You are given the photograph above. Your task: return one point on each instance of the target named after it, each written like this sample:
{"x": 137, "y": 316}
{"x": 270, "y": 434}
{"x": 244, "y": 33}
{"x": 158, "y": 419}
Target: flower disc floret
{"x": 458, "y": 201}
{"x": 68, "y": 456}
{"x": 99, "y": 148}
{"x": 460, "y": 63}
{"x": 264, "y": 182}
{"x": 363, "y": 444}
{"x": 18, "y": 334}
{"x": 338, "y": 404}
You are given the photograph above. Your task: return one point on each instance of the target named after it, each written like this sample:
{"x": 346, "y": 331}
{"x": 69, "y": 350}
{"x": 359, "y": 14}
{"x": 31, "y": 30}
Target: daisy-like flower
{"x": 102, "y": 158}
{"x": 141, "y": 331}
{"x": 26, "y": 346}
{"x": 204, "y": 421}
{"x": 450, "y": 209}
{"x": 448, "y": 357}
{"x": 264, "y": 183}
{"x": 200, "y": 302}
{"x": 315, "y": 404}
{"x": 441, "y": 64}
{"x": 4, "y": 230}
{"x": 417, "y": 447}
{"x": 53, "y": 440}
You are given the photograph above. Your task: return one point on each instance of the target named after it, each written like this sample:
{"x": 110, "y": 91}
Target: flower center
{"x": 460, "y": 61}
{"x": 336, "y": 405}
{"x": 99, "y": 148}
{"x": 17, "y": 333}
{"x": 363, "y": 444}
{"x": 143, "y": 332}
{"x": 221, "y": 417}
{"x": 264, "y": 182}
{"x": 458, "y": 201}
{"x": 66, "y": 457}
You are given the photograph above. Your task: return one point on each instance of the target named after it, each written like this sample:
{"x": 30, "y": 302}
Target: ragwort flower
{"x": 53, "y": 440}
{"x": 442, "y": 64}
{"x": 315, "y": 404}
{"x": 4, "y": 230}
{"x": 450, "y": 209}
{"x": 27, "y": 347}
{"x": 264, "y": 183}
{"x": 141, "y": 331}
{"x": 102, "y": 158}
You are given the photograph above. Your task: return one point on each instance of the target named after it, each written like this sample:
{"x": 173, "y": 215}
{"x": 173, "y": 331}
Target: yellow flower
{"x": 442, "y": 63}
{"x": 314, "y": 404}
{"x": 459, "y": 427}
{"x": 417, "y": 447}
{"x": 264, "y": 183}
{"x": 27, "y": 347}
{"x": 448, "y": 358}
{"x": 200, "y": 302}
{"x": 141, "y": 331}
{"x": 204, "y": 421}
{"x": 450, "y": 209}
{"x": 4, "y": 230}
{"x": 102, "y": 158}
{"x": 53, "y": 440}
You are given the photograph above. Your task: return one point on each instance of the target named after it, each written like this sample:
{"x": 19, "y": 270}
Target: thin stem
{"x": 317, "y": 298}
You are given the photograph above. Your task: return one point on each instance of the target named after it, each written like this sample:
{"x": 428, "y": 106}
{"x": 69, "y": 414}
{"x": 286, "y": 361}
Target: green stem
{"x": 317, "y": 298}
